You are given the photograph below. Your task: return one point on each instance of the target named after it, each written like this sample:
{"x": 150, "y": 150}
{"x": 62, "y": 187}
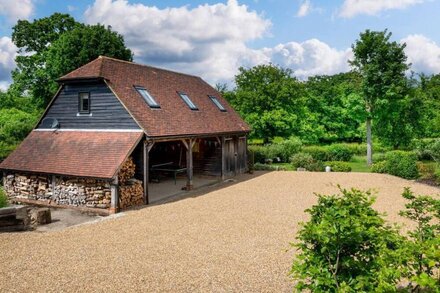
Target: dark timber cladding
{"x": 106, "y": 111}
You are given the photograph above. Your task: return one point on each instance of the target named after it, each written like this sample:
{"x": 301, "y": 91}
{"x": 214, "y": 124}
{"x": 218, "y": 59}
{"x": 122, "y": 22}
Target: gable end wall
{"x": 106, "y": 110}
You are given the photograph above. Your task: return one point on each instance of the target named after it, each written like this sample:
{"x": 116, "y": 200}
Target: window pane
{"x": 84, "y": 103}
{"x": 188, "y": 101}
{"x": 148, "y": 98}
{"x": 217, "y": 103}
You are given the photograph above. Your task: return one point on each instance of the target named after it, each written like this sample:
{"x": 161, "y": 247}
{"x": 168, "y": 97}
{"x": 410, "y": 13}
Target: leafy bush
{"x": 266, "y": 167}
{"x": 258, "y": 152}
{"x": 301, "y": 160}
{"x": 289, "y": 147}
{"x": 304, "y": 160}
{"x": 422, "y": 249}
{"x": 319, "y": 153}
{"x": 346, "y": 247}
{"x": 422, "y": 148}
{"x": 434, "y": 150}
{"x": 379, "y": 167}
{"x": 3, "y": 198}
{"x": 339, "y": 152}
{"x": 426, "y": 171}
{"x": 339, "y": 166}
{"x": 402, "y": 164}
{"x": 379, "y": 157}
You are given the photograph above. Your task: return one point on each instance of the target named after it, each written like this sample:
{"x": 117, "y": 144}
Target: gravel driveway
{"x": 233, "y": 238}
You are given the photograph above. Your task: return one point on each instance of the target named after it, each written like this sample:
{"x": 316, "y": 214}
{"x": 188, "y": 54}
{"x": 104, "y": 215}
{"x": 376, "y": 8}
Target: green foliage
{"x": 346, "y": 247}
{"x": 289, "y": 147}
{"x": 402, "y": 164}
{"x": 337, "y": 106}
{"x": 14, "y": 127}
{"x": 434, "y": 150}
{"x": 3, "y": 198}
{"x": 52, "y": 46}
{"x": 379, "y": 167}
{"x": 269, "y": 99}
{"x": 422, "y": 250}
{"x": 422, "y": 148}
{"x": 382, "y": 64}
{"x": 305, "y": 160}
{"x": 339, "y": 152}
{"x": 319, "y": 153}
{"x": 266, "y": 167}
{"x": 338, "y": 166}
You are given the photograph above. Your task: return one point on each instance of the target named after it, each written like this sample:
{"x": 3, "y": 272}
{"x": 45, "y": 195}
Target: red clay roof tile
{"x": 75, "y": 153}
{"x": 174, "y": 118}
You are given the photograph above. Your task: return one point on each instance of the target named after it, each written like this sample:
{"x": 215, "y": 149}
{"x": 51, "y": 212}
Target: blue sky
{"x": 214, "y": 38}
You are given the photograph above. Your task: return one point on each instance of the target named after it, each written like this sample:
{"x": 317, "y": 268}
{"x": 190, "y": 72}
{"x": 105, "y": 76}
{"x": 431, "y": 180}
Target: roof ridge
{"x": 148, "y": 66}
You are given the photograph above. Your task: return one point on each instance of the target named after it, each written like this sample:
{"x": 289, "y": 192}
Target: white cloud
{"x": 308, "y": 58}
{"x": 423, "y": 53}
{"x": 16, "y": 9}
{"x": 206, "y": 40}
{"x": 351, "y": 8}
{"x": 304, "y": 8}
{"x": 7, "y": 63}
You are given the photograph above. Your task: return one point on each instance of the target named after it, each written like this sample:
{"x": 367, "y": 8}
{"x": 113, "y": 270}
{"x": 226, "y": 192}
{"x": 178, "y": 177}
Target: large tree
{"x": 337, "y": 102}
{"x": 269, "y": 99}
{"x": 52, "y": 46}
{"x": 382, "y": 66}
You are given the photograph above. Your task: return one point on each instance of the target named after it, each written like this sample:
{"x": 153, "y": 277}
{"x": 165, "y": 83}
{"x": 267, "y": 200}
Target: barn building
{"x": 117, "y": 130}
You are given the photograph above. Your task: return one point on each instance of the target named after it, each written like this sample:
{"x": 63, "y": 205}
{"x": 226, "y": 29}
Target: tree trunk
{"x": 369, "y": 143}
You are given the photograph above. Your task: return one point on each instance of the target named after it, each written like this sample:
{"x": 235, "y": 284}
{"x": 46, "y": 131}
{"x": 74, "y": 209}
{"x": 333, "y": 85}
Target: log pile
{"x": 92, "y": 193}
{"x": 126, "y": 172}
{"x": 28, "y": 186}
{"x": 131, "y": 194}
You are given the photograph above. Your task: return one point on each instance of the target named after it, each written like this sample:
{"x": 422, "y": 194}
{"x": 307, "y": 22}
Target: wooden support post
{"x": 4, "y": 178}
{"x": 148, "y": 145}
{"x": 54, "y": 184}
{"x": 223, "y": 158}
{"x": 235, "y": 141}
{"x": 189, "y": 163}
{"x": 114, "y": 203}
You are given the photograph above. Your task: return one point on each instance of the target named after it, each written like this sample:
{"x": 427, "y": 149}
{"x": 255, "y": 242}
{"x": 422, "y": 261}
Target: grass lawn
{"x": 359, "y": 164}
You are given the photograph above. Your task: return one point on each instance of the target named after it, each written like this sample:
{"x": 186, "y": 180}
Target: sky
{"x": 213, "y": 39}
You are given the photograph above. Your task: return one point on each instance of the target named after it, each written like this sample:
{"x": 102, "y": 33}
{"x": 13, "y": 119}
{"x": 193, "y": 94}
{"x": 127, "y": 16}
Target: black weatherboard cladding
{"x": 105, "y": 109}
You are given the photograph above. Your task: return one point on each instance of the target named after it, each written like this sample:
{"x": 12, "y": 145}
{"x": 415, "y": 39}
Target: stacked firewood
{"x": 28, "y": 186}
{"x": 131, "y": 194}
{"x": 78, "y": 192}
{"x": 127, "y": 171}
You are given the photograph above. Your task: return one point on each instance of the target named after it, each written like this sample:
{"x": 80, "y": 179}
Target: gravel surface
{"x": 232, "y": 238}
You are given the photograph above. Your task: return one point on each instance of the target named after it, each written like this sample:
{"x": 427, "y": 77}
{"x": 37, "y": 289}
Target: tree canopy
{"x": 54, "y": 46}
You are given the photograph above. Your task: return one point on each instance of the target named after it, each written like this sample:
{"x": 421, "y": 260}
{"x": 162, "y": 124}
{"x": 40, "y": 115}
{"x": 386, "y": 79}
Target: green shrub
{"x": 301, "y": 160}
{"x": 266, "y": 167}
{"x": 339, "y": 166}
{"x": 258, "y": 152}
{"x": 422, "y": 148}
{"x": 434, "y": 150}
{"x": 379, "y": 167}
{"x": 346, "y": 247}
{"x": 379, "y": 157}
{"x": 3, "y": 198}
{"x": 421, "y": 252}
{"x": 339, "y": 152}
{"x": 426, "y": 171}
{"x": 289, "y": 147}
{"x": 304, "y": 160}
{"x": 402, "y": 164}
{"x": 319, "y": 153}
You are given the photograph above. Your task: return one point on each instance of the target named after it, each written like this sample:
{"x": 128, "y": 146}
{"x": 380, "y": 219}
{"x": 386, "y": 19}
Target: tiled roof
{"x": 76, "y": 153}
{"x": 174, "y": 118}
